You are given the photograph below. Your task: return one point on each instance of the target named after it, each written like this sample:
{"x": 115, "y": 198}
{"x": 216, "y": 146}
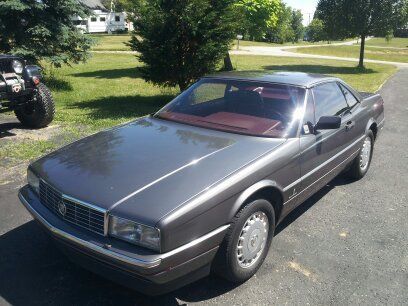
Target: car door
{"x": 355, "y": 124}
{"x": 322, "y": 151}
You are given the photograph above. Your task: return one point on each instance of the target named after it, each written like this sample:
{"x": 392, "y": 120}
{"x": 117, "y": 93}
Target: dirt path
{"x": 18, "y": 143}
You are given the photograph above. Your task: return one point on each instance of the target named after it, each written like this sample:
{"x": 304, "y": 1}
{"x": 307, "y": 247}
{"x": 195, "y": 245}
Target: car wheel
{"x": 39, "y": 112}
{"x": 361, "y": 163}
{"x": 247, "y": 242}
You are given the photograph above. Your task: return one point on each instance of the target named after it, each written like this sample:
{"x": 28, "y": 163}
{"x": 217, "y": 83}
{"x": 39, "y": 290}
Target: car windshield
{"x": 244, "y": 107}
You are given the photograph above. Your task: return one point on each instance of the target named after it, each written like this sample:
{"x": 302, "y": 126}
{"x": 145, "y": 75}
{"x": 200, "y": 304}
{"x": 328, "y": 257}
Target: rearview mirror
{"x": 328, "y": 123}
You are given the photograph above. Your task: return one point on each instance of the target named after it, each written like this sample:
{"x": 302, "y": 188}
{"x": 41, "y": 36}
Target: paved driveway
{"x": 346, "y": 245}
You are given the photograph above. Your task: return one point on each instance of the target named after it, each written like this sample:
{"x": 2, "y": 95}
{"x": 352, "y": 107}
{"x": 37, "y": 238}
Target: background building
{"x": 102, "y": 19}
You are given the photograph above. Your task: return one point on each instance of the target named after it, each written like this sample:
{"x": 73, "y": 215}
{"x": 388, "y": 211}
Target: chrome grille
{"x": 76, "y": 212}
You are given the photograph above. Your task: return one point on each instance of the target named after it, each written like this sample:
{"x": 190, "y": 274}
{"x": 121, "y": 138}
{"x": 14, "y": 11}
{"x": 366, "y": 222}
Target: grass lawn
{"x": 368, "y": 79}
{"x": 383, "y": 54}
{"x": 247, "y": 43}
{"x": 108, "y": 90}
{"x": 106, "y": 42}
{"x": 395, "y": 42}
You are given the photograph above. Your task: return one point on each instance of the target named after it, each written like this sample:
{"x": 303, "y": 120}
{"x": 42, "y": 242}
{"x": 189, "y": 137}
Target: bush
{"x": 179, "y": 41}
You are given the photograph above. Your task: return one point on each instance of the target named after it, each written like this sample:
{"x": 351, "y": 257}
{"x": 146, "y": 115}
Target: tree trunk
{"x": 361, "y": 62}
{"x": 227, "y": 63}
{"x": 182, "y": 85}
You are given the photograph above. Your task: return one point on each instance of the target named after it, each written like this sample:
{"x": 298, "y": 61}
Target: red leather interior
{"x": 230, "y": 121}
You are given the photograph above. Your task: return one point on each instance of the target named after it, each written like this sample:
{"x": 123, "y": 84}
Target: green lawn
{"x": 395, "y": 42}
{"x": 383, "y": 54}
{"x": 108, "y": 90}
{"x": 106, "y": 42}
{"x": 248, "y": 43}
{"x": 368, "y": 79}
{"x": 115, "y": 42}
{"x": 105, "y": 91}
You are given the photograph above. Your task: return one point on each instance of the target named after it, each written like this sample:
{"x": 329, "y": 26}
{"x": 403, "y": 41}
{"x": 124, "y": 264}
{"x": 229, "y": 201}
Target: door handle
{"x": 350, "y": 125}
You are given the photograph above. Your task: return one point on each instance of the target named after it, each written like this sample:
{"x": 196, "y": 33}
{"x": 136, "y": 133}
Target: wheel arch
{"x": 265, "y": 189}
{"x": 373, "y": 126}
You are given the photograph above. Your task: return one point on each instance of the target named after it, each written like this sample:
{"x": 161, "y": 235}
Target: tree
{"x": 181, "y": 40}
{"x": 315, "y": 30}
{"x": 43, "y": 30}
{"x": 362, "y": 17}
{"x": 282, "y": 32}
{"x": 117, "y": 5}
{"x": 260, "y": 15}
{"x": 329, "y": 12}
{"x": 297, "y": 25}
{"x": 389, "y": 36}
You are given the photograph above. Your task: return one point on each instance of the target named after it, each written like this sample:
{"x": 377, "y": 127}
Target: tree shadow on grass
{"x": 111, "y": 73}
{"x": 320, "y": 69}
{"x": 115, "y": 107}
{"x": 56, "y": 84}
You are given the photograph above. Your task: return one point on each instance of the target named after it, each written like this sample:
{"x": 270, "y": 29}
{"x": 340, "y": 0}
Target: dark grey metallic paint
{"x": 189, "y": 181}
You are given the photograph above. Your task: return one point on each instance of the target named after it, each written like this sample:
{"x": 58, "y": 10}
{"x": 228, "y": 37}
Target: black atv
{"x": 22, "y": 91}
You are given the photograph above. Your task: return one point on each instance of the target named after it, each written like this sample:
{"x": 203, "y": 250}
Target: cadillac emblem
{"x": 62, "y": 208}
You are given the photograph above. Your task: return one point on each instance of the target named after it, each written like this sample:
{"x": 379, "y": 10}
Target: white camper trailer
{"x": 101, "y": 20}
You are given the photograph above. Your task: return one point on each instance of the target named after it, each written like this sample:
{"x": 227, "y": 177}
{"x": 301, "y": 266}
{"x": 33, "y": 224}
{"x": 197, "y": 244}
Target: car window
{"x": 350, "y": 98}
{"x": 208, "y": 92}
{"x": 309, "y": 116}
{"x": 329, "y": 100}
{"x": 245, "y": 107}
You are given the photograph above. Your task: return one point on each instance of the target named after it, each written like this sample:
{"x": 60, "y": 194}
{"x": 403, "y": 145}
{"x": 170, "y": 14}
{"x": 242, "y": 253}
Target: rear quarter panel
{"x": 373, "y": 105}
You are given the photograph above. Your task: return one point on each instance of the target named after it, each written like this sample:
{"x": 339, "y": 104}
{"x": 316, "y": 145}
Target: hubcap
{"x": 365, "y": 154}
{"x": 252, "y": 239}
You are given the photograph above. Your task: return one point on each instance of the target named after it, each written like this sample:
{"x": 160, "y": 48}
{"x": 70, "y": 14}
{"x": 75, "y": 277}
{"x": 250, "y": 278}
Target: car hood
{"x": 148, "y": 167}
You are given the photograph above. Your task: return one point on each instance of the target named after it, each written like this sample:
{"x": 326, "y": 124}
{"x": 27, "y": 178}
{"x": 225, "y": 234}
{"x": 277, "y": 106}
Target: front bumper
{"x": 6, "y": 92}
{"x": 129, "y": 265}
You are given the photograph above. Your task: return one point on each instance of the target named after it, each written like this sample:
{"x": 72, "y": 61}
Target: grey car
{"x": 201, "y": 185}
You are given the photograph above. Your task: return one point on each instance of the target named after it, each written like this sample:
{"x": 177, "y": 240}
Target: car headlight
{"x": 135, "y": 233}
{"x": 17, "y": 66}
{"x": 33, "y": 181}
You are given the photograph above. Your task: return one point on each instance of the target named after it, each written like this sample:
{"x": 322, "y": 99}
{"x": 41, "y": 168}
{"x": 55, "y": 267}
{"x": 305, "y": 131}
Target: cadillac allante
{"x": 201, "y": 185}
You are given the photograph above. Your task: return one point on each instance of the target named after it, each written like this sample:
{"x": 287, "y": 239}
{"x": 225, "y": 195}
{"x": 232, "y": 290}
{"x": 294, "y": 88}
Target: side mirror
{"x": 328, "y": 123}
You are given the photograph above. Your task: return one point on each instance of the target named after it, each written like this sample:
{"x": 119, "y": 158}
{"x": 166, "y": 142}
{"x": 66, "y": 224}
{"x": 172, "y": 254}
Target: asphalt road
{"x": 346, "y": 245}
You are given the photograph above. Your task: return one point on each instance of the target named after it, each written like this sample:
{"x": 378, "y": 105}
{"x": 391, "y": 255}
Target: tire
{"x": 39, "y": 111}
{"x": 361, "y": 163}
{"x": 228, "y": 263}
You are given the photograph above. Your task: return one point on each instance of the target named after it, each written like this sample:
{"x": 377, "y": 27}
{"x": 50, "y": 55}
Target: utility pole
{"x": 112, "y": 6}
